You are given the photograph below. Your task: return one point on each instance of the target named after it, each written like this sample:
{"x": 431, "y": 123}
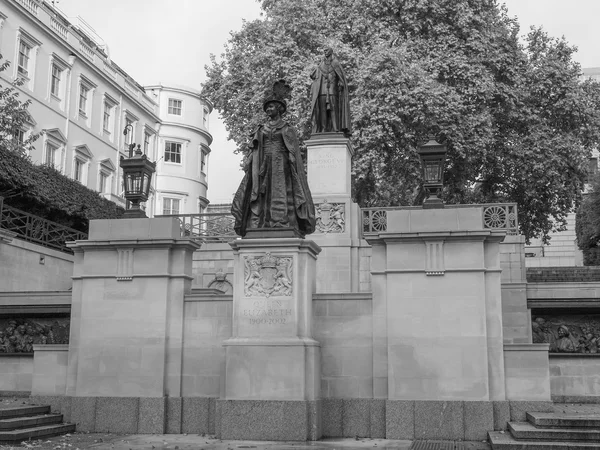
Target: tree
{"x": 518, "y": 123}
{"x": 14, "y": 117}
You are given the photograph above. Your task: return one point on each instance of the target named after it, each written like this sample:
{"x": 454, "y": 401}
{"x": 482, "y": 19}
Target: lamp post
{"x": 432, "y": 155}
{"x": 137, "y": 177}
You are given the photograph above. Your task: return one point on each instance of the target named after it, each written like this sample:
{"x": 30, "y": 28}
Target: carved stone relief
{"x": 567, "y": 333}
{"x": 220, "y": 282}
{"x": 330, "y": 217}
{"x": 18, "y": 335}
{"x": 267, "y": 276}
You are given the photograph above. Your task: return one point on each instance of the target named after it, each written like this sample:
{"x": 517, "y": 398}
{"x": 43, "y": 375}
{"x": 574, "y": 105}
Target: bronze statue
{"x": 329, "y": 97}
{"x": 274, "y": 192}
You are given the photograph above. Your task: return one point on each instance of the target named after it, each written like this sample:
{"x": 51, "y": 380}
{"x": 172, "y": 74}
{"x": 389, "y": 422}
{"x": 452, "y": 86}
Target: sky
{"x": 170, "y": 41}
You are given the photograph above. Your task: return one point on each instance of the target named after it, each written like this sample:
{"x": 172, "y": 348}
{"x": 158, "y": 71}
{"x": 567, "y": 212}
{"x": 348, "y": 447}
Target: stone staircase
{"x": 569, "y": 427}
{"x": 21, "y": 423}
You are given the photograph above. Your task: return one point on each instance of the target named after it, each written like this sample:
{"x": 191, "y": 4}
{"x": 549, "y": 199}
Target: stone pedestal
{"x": 272, "y": 363}
{"x": 329, "y": 157}
{"x": 129, "y": 282}
{"x": 436, "y": 299}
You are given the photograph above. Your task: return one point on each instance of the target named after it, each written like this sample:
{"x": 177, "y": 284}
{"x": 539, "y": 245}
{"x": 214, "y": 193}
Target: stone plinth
{"x": 272, "y": 362}
{"x": 329, "y": 157}
{"x": 527, "y": 372}
{"x": 338, "y": 230}
{"x": 50, "y": 369}
{"x": 436, "y": 290}
{"x": 129, "y": 282}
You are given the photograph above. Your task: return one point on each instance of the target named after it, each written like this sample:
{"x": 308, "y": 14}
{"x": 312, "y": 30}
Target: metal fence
{"x": 209, "y": 227}
{"x": 495, "y": 216}
{"x": 36, "y": 229}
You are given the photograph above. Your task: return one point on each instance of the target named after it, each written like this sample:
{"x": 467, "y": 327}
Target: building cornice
{"x": 198, "y": 130}
{"x": 64, "y": 43}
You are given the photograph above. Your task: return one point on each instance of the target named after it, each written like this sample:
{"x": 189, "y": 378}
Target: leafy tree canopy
{"x": 518, "y": 123}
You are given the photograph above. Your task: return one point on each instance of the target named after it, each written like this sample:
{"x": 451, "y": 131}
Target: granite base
{"x": 269, "y": 420}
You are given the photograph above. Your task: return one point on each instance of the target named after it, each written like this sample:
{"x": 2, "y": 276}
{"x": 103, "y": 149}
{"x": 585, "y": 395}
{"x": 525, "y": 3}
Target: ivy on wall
{"x": 44, "y": 191}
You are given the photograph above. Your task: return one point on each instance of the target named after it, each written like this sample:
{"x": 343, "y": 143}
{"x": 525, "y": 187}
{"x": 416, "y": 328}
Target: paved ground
{"x": 98, "y": 441}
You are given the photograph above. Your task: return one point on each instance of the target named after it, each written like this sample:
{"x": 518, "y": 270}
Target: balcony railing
{"x": 210, "y": 227}
{"x": 495, "y": 216}
{"x": 36, "y": 229}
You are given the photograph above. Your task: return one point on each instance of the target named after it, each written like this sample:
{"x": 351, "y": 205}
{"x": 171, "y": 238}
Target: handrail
{"x": 32, "y": 228}
{"x": 208, "y": 227}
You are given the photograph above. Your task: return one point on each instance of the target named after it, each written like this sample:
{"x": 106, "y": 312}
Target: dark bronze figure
{"x": 274, "y": 192}
{"x": 329, "y": 97}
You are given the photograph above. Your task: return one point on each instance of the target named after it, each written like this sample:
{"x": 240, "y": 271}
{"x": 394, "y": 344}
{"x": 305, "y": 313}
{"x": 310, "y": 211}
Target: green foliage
{"x": 518, "y": 123}
{"x": 44, "y": 191}
{"x": 13, "y": 116}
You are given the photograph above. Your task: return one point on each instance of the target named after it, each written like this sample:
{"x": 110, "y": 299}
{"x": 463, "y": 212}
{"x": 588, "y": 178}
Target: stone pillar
{"x": 129, "y": 282}
{"x": 436, "y": 277}
{"x": 329, "y": 157}
{"x": 272, "y": 363}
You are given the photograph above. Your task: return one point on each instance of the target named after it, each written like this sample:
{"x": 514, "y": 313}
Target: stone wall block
{"x": 152, "y": 416}
{"x": 117, "y": 414}
{"x": 399, "y": 419}
{"x": 439, "y": 420}
{"x": 478, "y": 420}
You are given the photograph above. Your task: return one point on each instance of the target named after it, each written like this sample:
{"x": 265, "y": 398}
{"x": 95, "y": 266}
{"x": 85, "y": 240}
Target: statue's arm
{"x": 313, "y": 74}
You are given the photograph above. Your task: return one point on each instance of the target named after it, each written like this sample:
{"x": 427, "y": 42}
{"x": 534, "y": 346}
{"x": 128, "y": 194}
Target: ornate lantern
{"x": 432, "y": 155}
{"x": 137, "y": 177}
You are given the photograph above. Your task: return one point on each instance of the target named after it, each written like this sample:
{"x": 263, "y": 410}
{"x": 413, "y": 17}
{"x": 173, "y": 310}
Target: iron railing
{"x": 36, "y": 229}
{"x": 495, "y": 216}
{"x": 209, "y": 227}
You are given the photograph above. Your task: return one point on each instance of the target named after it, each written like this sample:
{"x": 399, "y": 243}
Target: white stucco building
{"x": 81, "y": 102}
{"x": 184, "y": 143}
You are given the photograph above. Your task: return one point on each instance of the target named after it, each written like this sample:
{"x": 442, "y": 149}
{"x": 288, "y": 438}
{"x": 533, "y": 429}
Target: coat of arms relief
{"x": 267, "y": 276}
{"x": 330, "y": 217}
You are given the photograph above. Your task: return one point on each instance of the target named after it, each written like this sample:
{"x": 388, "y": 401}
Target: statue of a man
{"x": 329, "y": 97}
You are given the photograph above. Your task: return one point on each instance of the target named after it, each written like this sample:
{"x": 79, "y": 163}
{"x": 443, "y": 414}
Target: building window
{"x": 205, "y": 118}
{"x": 78, "y": 170}
{"x": 173, "y": 152}
{"x": 51, "y": 155}
{"x": 170, "y": 206}
{"x": 55, "y": 81}
{"x": 83, "y": 99}
{"x": 175, "y": 107}
{"x": 106, "y": 118}
{"x": 24, "y": 52}
{"x": 146, "y": 142}
{"x": 19, "y": 136}
{"x": 202, "y": 161}
{"x": 103, "y": 183}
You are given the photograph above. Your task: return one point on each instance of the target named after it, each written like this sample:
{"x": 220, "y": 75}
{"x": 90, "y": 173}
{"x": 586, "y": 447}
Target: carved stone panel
{"x": 18, "y": 335}
{"x": 567, "y": 333}
{"x": 331, "y": 217}
{"x": 220, "y": 282}
{"x": 267, "y": 276}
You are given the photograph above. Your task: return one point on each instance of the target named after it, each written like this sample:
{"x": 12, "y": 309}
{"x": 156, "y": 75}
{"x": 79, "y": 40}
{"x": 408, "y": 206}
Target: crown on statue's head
{"x": 280, "y": 93}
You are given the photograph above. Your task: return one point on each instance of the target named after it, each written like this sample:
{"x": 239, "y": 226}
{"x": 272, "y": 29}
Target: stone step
{"x": 29, "y": 421}
{"x": 504, "y": 441}
{"x": 43, "y": 431}
{"x": 564, "y": 420}
{"x": 526, "y": 431}
{"x": 23, "y": 411}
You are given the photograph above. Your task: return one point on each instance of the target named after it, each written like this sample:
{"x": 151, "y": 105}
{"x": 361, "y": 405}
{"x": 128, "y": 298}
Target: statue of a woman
{"x": 274, "y": 192}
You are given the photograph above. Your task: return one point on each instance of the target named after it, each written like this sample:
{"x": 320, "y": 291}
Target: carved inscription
{"x": 268, "y": 312}
{"x": 267, "y": 276}
{"x": 325, "y": 161}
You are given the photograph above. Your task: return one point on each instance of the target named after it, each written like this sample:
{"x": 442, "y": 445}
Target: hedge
{"x": 44, "y": 191}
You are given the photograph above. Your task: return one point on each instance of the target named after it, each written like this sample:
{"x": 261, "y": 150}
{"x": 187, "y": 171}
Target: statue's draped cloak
{"x": 274, "y": 191}
{"x": 344, "y": 104}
